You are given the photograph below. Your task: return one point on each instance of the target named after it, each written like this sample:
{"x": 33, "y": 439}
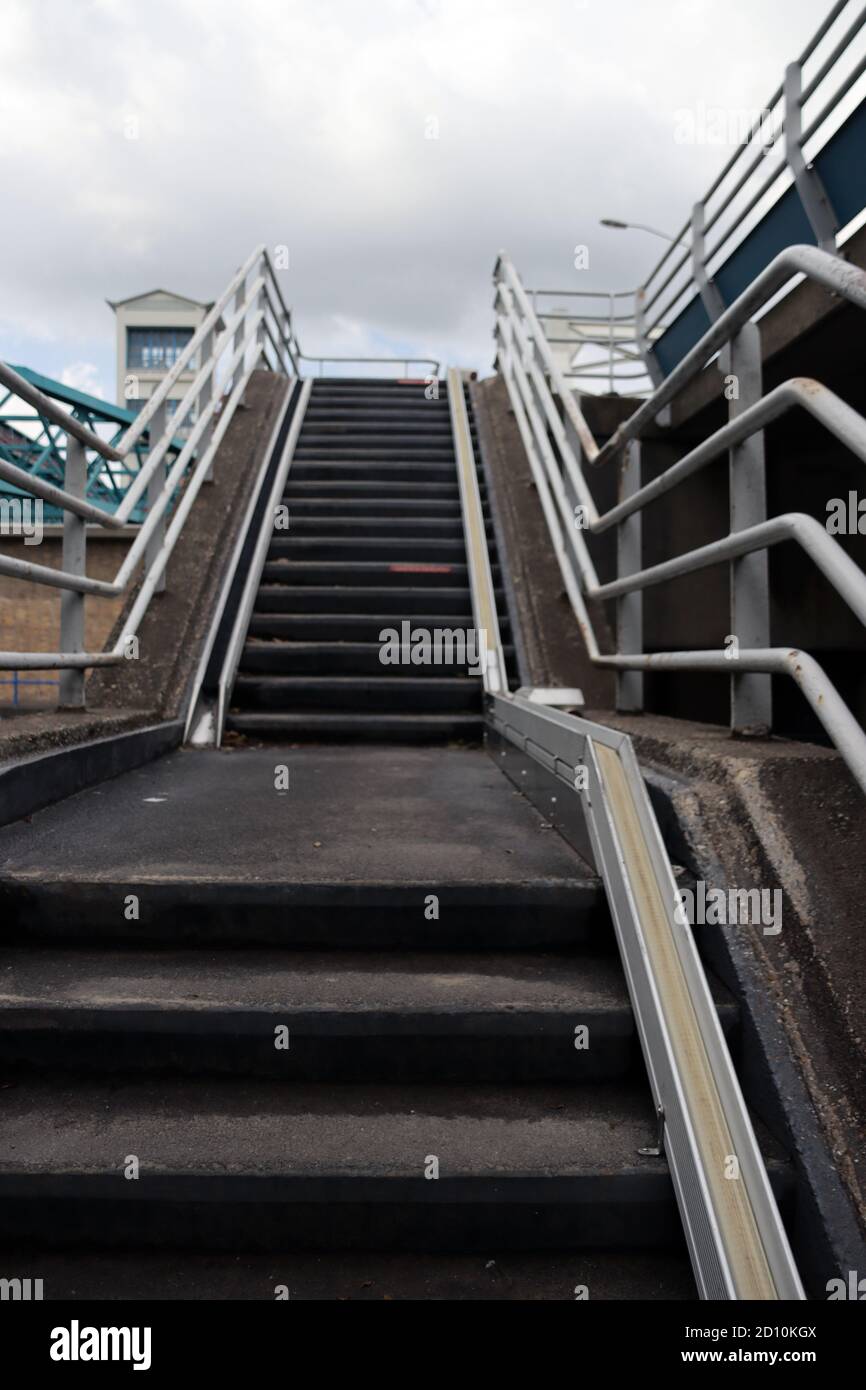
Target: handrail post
{"x": 629, "y": 608}
{"x": 654, "y": 371}
{"x": 154, "y": 488}
{"x": 751, "y": 693}
{"x": 709, "y": 291}
{"x": 262, "y": 305}
{"x": 240, "y": 296}
{"x": 71, "y": 691}
{"x": 610, "y": 371}
{"x": 807, "y": 180}
{"x": 204, "y": 398}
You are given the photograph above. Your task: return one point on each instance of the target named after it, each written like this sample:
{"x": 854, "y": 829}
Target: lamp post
{"x": 639, "y": 227}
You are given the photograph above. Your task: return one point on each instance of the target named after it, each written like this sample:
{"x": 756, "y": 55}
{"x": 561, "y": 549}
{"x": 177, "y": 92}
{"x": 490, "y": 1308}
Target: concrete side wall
{"x": 176, "y": 624}
{"x": 553, "y": 646}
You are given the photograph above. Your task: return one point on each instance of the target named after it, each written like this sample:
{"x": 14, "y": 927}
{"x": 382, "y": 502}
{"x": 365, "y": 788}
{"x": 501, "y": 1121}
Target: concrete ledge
{"x": 553, "y": 649}
{"x": 27, "y": 784}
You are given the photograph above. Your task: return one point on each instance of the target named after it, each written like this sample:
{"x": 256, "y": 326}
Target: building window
{"x": 191, "y": 417}
{"x": 155, "y": 349}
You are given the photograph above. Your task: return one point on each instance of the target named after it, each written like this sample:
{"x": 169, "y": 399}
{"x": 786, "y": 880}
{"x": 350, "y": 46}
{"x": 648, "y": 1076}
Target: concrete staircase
{"x": 362, "y": 1029}
{"x": 375, "y": 539}
{"x": 430, "y": 946}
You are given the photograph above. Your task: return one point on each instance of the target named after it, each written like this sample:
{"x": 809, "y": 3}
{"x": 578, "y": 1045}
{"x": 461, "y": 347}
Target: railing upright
{"x": 205, "y": 396}
{"x": 751, "y": 692}
{"x": 74, "y": 562}
{"x": 629, "y": 607}
{"x": 154, "y": 488}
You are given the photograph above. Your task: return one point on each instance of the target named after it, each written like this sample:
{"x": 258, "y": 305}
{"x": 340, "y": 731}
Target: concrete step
{"x": 396, "y": 574}
{"x": 393, "y": 433}
{"x": 350, "y": 1016}
{"x": 359, "y": 574}
{"x": 333, "y": 914}
{"x": 358, "y": 395}
{"x": 342, "y": 659}
{"x": 426, "y": 415}
{"x": 354, "y": 727}
{"x": 376, "y": 470}
{"x": 408, "y": 489}
{"x": 332, "y": 1167}
{"x": 313, "y": 599}
{"x": 346, "y": 858}
{"x": 358, "y": 1276}
{"x": 322, "y": 658}
{"x": 323, "y": 523}
{"x": 408, "y": 549}
{"x": 359, "y": 508}
{"x": 428, "y": 694}
{"x": 344, "y": 627}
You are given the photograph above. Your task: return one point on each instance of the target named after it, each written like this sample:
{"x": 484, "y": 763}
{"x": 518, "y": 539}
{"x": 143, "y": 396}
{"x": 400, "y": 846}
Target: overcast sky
{"x": 153, "y": 142}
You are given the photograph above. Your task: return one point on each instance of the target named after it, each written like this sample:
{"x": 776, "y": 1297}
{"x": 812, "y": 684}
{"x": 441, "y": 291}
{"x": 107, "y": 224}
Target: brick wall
{"x": 30, "y": 613}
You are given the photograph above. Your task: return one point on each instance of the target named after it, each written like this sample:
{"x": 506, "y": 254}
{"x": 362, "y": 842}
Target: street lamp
{"x": 640, "y": 227}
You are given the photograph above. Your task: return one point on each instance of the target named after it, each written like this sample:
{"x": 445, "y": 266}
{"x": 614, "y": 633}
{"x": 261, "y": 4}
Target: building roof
{"x": 157, "y": 294}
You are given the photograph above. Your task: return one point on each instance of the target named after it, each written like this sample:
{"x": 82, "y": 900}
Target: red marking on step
{"x": 420, "y": 569}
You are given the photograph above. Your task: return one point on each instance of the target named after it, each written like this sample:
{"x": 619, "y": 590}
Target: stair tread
{"x": 348, "y": 1275}
{"x": 360, "y": 678}
{"x": 259, "y": 644}
{"x": 246, "y": 1128}
{"x": 417, "y": 816}
{"x": 266, "y": 617}
{"x": 265, "y": 980}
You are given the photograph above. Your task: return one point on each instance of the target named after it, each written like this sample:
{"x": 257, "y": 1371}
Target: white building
{"x": 152, "y": 331}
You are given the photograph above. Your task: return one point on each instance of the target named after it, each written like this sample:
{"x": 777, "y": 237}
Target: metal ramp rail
{"x": 736, "y": 1239}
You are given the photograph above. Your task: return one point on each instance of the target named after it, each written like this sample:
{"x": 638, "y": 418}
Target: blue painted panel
{"x": 842, "y": 166}
{"x": 686, "y": 330}
{"x": 786, "y": 224}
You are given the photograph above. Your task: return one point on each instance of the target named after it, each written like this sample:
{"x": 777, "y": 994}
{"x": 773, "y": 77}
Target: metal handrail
{"x": 613, "y": 332}
{"x": 25, "y": 391}
{"x": 557, "y": 443}
{"x": 247, "y": 325}
{"x": 782, "y": 116}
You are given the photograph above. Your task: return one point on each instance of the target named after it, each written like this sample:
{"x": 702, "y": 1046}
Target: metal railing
{"x": 557, "y": 445}
{"x": 249, "y": 325}
{"x": 772, "y": 180}
{"x": 777, "y": 152}
{"x": 594, "y": 347}
{"x": 34, "y": 443}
